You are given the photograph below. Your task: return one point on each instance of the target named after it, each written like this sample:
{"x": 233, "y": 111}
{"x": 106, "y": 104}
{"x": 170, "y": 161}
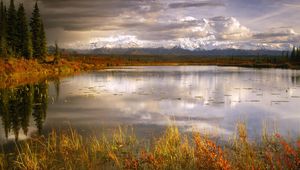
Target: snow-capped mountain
{"x": 183, "y": 43}
{"x": 194, "y": 34}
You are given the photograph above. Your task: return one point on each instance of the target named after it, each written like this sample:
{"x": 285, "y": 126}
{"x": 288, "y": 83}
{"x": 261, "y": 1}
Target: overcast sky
{"x": 248, "y": 24}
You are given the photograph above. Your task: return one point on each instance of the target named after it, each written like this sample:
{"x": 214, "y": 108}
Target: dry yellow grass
{"x": 173, "y": 150}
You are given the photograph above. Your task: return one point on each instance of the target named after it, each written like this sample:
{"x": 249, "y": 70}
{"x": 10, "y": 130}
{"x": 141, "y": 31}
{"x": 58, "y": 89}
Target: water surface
{"x": 207, "y": 99}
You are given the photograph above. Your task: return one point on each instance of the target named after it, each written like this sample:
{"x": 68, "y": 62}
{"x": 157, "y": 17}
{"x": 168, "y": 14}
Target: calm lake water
{"x": 195, "y": 98}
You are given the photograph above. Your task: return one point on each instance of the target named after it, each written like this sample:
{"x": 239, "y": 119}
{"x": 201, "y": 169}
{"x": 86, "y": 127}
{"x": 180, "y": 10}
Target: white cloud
{"x": 229, "y": 28}
{"x": 192, "y": 33}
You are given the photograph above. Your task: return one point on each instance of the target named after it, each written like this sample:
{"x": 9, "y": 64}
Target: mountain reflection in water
{"x": 150, "y": 98}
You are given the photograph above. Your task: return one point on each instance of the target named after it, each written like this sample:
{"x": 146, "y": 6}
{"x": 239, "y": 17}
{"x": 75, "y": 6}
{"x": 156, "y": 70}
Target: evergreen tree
{"x": 43, "y": 40}
{"x": 1, "y": 17}
{"x": 287, "y": 55}
{"x": 11, "y": 28}
{"x": 293, "y": 54}
{"x": 23, "y": 43}
{"x": 298, "y": 53}
{"x": 56, "y": 54}
{"x": 39, "y": 48}
{"x": 3, "y": 45}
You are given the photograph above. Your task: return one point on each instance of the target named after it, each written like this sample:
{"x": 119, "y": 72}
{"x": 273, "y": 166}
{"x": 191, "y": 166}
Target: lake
{"x": 209, "y": 99}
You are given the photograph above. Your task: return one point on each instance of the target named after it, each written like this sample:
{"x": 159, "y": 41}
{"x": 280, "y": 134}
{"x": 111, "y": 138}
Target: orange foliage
{"x": 286, "y": 158}
{"x": 131, "y": 163}
{"x": 209, "y": 155}
{"x": 14, "y": 72}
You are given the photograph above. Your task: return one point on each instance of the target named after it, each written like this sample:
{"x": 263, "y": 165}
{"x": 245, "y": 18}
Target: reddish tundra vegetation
{"x": 15, "y": 72}
{"x": 172, "y": 150}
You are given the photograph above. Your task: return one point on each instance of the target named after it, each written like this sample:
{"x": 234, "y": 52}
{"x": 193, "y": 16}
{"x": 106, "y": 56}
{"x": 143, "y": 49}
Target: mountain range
{"x": 174, "y": 51}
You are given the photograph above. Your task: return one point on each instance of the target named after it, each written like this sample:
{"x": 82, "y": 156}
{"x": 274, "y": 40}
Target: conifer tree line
{"x": 20, "y": 37}
{"x": 295, "y": 54}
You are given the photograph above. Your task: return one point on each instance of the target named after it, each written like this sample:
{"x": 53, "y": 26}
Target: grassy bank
{"x": 173, "y": 150}
{"x": 15, "y": 72}
{"x": 20, "y": 71}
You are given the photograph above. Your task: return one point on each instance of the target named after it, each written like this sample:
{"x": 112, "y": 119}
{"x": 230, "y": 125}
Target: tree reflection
{"x": 18, "y": 104}
{"x": 296, "y": 79}
{"x": 4, "y": 109}
{"x": 40, "y": 104}
{"x": 56, "y": 83}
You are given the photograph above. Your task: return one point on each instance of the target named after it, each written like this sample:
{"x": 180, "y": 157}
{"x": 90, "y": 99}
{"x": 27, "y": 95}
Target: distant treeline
{"x": 295, "y": 54}
{"x": 180, "y": 52}
{"x": 18, "y": 37}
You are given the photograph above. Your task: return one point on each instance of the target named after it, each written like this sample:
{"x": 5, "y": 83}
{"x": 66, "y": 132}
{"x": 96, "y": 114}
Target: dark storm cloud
{"x": 113, "y": 15}
{"x": 92, "y": 3}
{"x": 90, "y": 14}
{"x": 195, "y": 4}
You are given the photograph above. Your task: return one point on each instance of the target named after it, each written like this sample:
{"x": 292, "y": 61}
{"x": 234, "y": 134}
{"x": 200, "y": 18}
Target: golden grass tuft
{"x": 2, "y": 161}
{"x": 173, "y": 150}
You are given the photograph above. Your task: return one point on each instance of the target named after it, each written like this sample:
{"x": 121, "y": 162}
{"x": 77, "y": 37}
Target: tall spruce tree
{"x": 56, "y": 54}
{"x": 11, "y": 28}
{"x": 293, "y": 54}
{"x": 43, "y": 40}
{"x": 298, "y": 54}
{"x": 3, "y": 35}
{"x": 23, "y": 42}
{"x": 39, "y": 46}
{"x": 1, "y": 15}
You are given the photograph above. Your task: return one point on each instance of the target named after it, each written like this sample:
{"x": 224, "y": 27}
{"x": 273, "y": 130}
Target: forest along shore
{"x": 17, "y": 71}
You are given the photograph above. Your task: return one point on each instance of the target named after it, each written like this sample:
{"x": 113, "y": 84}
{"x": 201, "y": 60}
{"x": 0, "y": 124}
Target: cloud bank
{"x": 270, "y": 24}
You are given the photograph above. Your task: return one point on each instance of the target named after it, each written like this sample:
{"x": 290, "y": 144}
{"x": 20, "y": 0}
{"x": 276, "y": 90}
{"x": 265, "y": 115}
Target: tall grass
{"x": 2, "y": 161}
{"x": 172, "y": 150}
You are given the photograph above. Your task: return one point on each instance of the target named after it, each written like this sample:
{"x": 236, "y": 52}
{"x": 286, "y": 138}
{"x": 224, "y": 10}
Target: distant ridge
{"x": 178, "y": 51}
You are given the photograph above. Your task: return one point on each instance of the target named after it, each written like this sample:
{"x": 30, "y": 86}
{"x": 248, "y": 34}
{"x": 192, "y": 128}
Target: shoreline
{"x": 14, "y": 72}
